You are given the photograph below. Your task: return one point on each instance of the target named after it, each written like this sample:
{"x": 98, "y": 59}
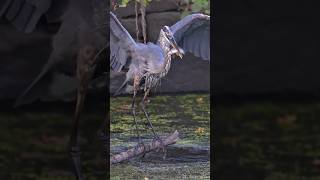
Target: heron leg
{"x": 85, "y": 68}
{"x": 133, "y": 109}
{"x": 147, "y": 116}
{"x": 149, "y": 121}
{"x": 74, "y": 140}
{"x": 144, "y": 100}
{"x": 102, "y": 134}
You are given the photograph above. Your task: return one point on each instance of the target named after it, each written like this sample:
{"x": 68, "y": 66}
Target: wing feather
{"x": 24, "y": 14}
{"x": 192, "y": 33}
{"x": 121, "y": 44}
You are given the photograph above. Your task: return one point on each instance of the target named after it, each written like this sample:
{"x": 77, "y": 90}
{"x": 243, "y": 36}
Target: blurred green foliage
{"x": 125, "y": 2}
{"x": 193, "y": 6}
{"x": 269, "y": 140}
{"x": 188, "y": 6}
{"x": 188, "y": 113}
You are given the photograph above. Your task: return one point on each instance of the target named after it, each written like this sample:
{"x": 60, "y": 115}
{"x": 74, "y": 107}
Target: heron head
{"x": 170, "y": 38}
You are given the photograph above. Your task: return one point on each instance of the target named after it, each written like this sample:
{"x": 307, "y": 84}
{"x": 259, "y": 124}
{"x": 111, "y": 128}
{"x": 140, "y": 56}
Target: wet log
{"x": 142, "y": 149}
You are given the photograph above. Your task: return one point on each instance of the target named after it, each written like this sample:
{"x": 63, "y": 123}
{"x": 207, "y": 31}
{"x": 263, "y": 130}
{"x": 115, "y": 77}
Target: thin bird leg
{"x": 134, "y": 116}
{"x": 135, "y": 90}
{"x": 145, "y": 112}
{"x": 147, "y": 116}
{"x": 85, "y": 68}
{"x": 102, "y": 134}
{"x": 150, "y": 124}
{"x": 74, "y": 141}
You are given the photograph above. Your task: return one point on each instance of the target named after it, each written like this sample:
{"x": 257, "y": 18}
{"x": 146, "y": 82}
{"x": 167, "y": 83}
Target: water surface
{"x": 187, "y": 159}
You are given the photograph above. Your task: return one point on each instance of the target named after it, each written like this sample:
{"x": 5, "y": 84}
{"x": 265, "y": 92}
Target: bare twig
{"x": 137, "y": 15}
{"x": 142, "y": 149}
{"x": 143, "y": 20}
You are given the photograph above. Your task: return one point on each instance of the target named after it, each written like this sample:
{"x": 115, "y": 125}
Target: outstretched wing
{"x": 192, "y": 33}
{"x": 121, "y": 44}
{"x": 24, "y": 14}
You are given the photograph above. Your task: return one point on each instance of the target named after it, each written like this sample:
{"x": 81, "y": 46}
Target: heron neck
{"x": 163, "y": 43}
{"x": 165, "y": 46}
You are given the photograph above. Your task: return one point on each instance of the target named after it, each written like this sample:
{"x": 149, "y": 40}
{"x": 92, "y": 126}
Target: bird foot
{"x": 140, "y": 144}
{"x": 162, "y": 146}
{"x": 75, "y": 155}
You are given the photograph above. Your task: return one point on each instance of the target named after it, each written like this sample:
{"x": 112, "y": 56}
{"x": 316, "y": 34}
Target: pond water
{"x": 186, "y": 159}
{"x": 256, "y": 140}
{"x": 33, "y": 143}
{"x": 34, "y": 139}
{"x": 268, "y": 140}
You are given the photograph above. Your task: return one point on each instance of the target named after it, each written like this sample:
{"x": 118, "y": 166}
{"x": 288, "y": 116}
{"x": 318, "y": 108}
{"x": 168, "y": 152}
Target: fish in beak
{"x": 169, "y": 37}
{"x": 175, "y": 46}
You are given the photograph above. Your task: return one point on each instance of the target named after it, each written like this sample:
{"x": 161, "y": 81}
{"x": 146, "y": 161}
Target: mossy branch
{"x": 142, "y": 149}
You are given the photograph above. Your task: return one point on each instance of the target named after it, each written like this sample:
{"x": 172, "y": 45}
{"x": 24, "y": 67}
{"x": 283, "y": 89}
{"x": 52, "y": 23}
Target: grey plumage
{"x": 76, "y": 44}
{"x": 192, "y": 33}
{"x": 81, "y": 24}
{"x": 73, "y": 60}
{"x": 25, "y": 14}
{"x": 150, "y": 62}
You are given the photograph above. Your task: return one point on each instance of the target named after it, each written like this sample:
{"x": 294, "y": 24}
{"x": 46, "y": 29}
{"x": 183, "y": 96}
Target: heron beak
{"x": 175, "y": 45}
{"x": 180, "y": 55}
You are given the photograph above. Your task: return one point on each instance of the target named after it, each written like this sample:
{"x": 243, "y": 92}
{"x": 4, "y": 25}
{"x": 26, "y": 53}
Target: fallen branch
{"x": 141, "y": 149}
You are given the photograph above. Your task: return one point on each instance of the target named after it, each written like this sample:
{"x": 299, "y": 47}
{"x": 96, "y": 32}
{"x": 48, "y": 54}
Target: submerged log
{"x": 142, "y": 149}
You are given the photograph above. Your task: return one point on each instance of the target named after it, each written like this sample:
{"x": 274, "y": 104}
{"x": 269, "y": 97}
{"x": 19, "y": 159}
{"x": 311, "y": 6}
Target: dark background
{"x": 34, "y": 136}
{"x": 265, "y": 89}
{"x": 264, "y": 47}
{"x": 37, "y": 132}
{"x": 265, "y": 52}
{"x": 24, "y": 56}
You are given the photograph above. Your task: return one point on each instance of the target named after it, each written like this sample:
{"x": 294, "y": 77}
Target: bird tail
{"x": 120, "y": 88}
{"x": 20, "y": 100}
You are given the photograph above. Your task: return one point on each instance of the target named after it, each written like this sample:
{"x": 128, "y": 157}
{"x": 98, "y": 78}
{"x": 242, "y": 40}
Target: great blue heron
{"x": 77, "y": 36}
{"x": 146, "y": 64}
